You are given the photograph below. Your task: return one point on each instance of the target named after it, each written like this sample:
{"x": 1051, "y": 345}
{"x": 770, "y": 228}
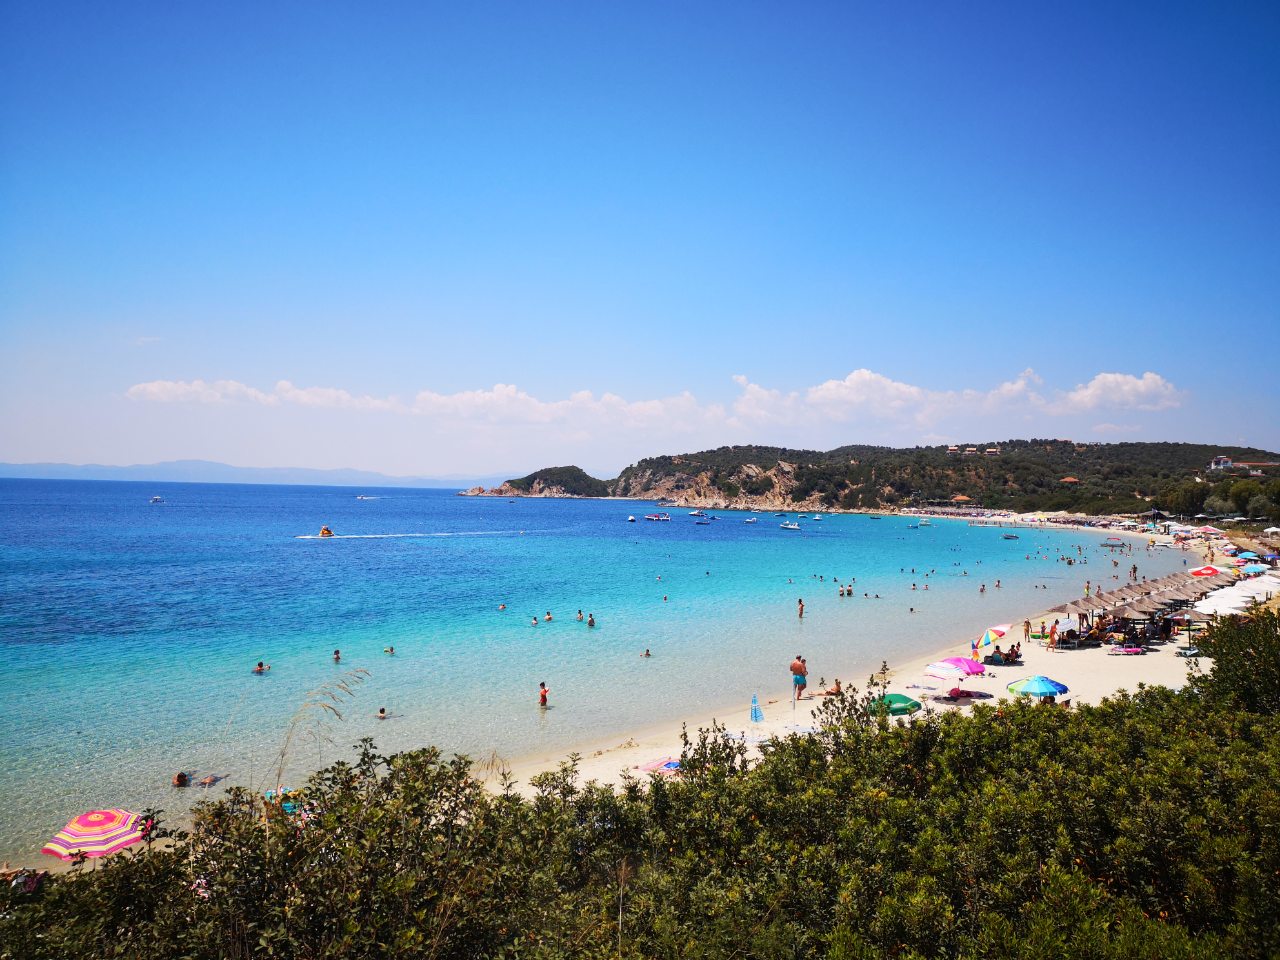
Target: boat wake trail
{"x": 401, "y": 536}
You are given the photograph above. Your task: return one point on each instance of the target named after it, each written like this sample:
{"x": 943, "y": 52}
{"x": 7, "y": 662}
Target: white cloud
{"x": 198, "y": 391}
{"x": 883, "y": 409}
{"x": 1121, "y": 390}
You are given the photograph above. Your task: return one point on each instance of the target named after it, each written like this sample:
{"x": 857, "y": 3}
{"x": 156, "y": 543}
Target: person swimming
{"x": 591, "y": 619}
{"x": 337, "y": 656}
{"x": 382, "y": 713}
{"x": 389, "y": 650}
{"x": 180, "y": 779}
{"x": 547, "y": 618}
{"x": 646, "y": 653}
{"x": 262, "y": 667}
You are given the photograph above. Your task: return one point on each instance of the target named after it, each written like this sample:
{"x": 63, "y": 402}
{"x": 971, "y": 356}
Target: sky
{"x": 429, "y": 238}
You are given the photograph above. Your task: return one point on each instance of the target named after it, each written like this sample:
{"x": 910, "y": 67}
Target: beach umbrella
{"x": 1249, "y": 555}
{"x": 757, "y": 715}
{"x": 947, "y": 671}
{"x": 97, "y": 834}
{"x": 1255, "y": 568}
{"x": 967, "y": 667}
{"x": 1037, "y": 686}
{"x": 895, "y": 704}
{"x": 1206, "y": 571}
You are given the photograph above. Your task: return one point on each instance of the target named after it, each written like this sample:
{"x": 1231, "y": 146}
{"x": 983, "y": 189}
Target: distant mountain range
{"x": 207, "y": 471}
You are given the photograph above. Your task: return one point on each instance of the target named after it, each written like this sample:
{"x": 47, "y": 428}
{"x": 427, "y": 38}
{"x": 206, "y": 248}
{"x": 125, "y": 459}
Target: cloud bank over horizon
{"x": 502, "y": 425}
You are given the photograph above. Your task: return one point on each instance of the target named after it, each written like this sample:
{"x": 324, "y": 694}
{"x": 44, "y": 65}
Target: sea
{"x": 129, "y": 629}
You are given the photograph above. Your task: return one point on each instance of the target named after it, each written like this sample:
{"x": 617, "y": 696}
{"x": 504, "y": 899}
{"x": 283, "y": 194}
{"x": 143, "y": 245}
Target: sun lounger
{"x": 1125, "y": 651}
{"x": 1189, "y": 652}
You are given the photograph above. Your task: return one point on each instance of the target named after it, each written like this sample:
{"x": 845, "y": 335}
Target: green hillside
{"x": 1023, "y": 475}
{"x": 575, "y": 482}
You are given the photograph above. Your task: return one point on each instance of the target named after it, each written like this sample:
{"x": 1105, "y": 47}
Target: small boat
{"x": 789, "y": 526}
{"x": 815, "y": 517}
{"x": 631, "y": 519}
{"x": 912, "y": 526}
{"x": 779, "y": 514}
{"x": 657, "y": 516}
{"x": 925, "y": 522}
{"x": 326, "y": 532}
{"x": 1011, "y": 536}
{"x": 703, "y": 523}
{"x": 751, "y": 520}
{"x": 157, "y": 499}
{"x": 361, "y": 496}
{"x": 696, "y": 513}
{"x": 876, "y": 516}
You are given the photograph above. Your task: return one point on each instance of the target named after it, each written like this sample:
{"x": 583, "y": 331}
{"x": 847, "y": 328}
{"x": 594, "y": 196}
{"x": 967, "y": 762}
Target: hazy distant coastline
{"x": 208, "y": 471}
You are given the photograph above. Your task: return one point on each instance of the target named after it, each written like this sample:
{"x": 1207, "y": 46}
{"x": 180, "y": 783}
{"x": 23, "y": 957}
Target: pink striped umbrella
{"x": 965, "y": 666}
{"x": 97, "y": 834}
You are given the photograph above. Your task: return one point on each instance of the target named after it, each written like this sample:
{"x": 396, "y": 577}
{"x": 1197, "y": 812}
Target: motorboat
{"x": 789, "y": 526}
{"x": 925, "y": 522}
{"x": 631, "y": 519}
{"x": 657, "y": 516}
{"x": 751, "y": 520}
{"x": 361, "y": 496}
{"x": 779, "y": 514}
{"x": 815, "y": 517}
{"x": 326, "y": 532}
{"x": 696, "y": 513}
{"x": 1011, "y": 536}
{"x": 157, "y": 499}
{"x": 703, "y": 523}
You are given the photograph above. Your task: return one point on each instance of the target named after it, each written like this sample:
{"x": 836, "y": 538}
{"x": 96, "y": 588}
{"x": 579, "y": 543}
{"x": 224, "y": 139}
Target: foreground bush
{"x": 1148, "y": 826}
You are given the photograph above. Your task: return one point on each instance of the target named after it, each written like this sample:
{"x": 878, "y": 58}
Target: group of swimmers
{"x": 591, "y": 617}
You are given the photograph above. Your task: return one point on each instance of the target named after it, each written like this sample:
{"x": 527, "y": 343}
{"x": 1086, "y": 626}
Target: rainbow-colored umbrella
{"x": 991, "y": 635}
{"x": 97, "y": 834}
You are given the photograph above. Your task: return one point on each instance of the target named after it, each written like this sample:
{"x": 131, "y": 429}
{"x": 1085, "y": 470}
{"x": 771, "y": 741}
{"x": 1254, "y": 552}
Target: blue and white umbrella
{"x": 757, "y": 714}
{"x": 1038, "y": 686}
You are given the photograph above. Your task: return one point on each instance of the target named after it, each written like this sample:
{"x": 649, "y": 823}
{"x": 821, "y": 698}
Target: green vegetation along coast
{"x": 1145, "y": 826}
{"x": 1016, "y": 475}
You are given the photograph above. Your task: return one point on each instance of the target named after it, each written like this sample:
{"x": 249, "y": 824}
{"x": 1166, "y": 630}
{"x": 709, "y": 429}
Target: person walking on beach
{"x": 542, "y": 694}
{"x": 1053, "y": 636}
{"x": 1026, "y": 630}
{"x": 799, "y": 676}
{"x": 800, "y": 608}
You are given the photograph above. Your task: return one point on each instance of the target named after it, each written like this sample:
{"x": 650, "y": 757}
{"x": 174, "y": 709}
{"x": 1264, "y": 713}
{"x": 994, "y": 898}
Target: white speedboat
{"x": 789, "y": 526}
{"x": 751, "y": 520}
{"x": 657, "y": 516}
{"x": 815, "y": 517}
{"x": 157, "y": 499}
{"x": 925, "y": 522}
{"x": 631, "y": 519}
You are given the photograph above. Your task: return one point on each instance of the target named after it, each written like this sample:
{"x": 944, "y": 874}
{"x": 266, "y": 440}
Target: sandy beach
{"x": 1090, "y": 674}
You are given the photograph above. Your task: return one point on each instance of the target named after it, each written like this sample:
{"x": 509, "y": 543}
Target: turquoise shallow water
{"x": 129, "y": 629}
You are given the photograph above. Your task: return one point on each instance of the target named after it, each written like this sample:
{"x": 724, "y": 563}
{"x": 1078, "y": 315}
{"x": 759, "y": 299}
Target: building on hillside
{"x": 991, "y": 452}
{"x": 953, "y": 450}
{"x": 970, "y": 451}
{"x": 1252, "y": 467}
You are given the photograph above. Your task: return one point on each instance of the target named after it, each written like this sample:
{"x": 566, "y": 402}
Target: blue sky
{"x": 441, "y": 238}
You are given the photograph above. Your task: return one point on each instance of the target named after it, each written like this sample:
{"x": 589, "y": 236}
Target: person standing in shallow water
{"x": 542, "y": 694}
{"x": 800, "y": 608}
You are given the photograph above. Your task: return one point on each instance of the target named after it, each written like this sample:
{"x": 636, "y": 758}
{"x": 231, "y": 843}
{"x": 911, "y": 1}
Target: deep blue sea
{"x": 129, "y": 629}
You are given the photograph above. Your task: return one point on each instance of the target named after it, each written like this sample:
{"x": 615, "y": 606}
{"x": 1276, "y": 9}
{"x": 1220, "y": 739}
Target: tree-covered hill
{"x": 1146, "y": 827}
{"x": 1016, "y": 474}
{"x": 574, "y": 481}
